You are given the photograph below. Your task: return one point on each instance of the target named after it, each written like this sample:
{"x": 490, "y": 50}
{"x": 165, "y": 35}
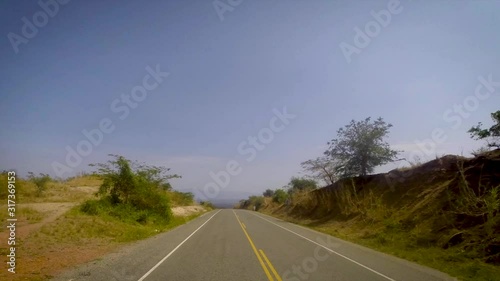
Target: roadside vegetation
{"x": 442, "y": 213}
{"x": 83, "y": 217}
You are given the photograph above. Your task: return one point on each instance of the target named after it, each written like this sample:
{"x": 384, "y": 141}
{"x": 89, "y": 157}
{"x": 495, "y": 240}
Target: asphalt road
{"x": 229, "y": 245}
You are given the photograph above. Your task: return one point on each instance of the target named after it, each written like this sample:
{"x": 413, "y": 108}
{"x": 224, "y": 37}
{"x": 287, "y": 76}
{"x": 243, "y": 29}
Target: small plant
{"x": 483, "y": 203}
{"x": 40, "y": 182}
{"x": 480, "y": 151}
{"x": 415, "y": 162}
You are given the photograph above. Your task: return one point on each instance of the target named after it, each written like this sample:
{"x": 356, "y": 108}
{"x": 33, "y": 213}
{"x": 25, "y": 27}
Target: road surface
{"x": 229, "y": 245}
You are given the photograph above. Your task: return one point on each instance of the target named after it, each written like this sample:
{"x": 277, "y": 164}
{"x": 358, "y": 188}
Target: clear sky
{"x": 232, "y": 64}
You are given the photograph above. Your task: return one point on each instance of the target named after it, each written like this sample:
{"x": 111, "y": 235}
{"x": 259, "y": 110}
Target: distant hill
{"x": 224, "y": 203}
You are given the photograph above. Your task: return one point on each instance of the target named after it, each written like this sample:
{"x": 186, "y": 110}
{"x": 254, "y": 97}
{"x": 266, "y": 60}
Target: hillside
{"x": 443, "y": 213}
{"x": 52, "y": 221}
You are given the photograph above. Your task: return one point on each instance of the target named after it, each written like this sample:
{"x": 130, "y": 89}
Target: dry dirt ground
{"x": 185, "y": 211}
{"x": 40, "y": 261}
{"x": 50, "y": 211}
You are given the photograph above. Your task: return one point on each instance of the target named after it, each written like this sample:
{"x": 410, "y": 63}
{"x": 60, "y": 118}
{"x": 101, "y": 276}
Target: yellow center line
{"x": 243, "y": 225}
{"x": 270, "y": 266}
{"x": 266, "y": 271}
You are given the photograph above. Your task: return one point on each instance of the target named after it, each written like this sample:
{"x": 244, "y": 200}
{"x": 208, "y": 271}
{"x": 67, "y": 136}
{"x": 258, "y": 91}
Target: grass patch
{"x": 76, "y": 226}
{"x": 454, "y": 261}
{"x": 396, "y": 241}
{"x": 84, "y": 180}
{"x": 76, "y": 233}
{"x": 22, "y": 214}
{"x": 29, "y": 214}
{"x": 178, "y": 198}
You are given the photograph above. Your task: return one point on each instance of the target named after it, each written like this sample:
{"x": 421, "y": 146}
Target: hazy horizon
{"x": 184, "y": 84}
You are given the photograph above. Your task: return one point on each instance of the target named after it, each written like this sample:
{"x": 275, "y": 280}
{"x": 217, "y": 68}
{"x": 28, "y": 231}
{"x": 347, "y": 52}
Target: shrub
{"x": 132, "y": 191}
{"x": 280, "y": 196}
{"x": 40, "y": 182}
{"x": 90, "y": 207}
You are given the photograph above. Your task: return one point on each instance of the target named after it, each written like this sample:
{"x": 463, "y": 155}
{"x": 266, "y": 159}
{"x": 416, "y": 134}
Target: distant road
{"x": 233, "y": 245}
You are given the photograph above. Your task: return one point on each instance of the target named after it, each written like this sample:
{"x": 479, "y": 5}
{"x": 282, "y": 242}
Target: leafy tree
{"x": 301, "y": 184}
{"x": 40, "y": 182}
{"x": 360, "y": 147}
{"x": 322, "y": 168}
{"x": 123, "y": 179}
{"x": 492, "y": 135}
{"x": 268, "y": 193}
{"x": 280, "y": 196}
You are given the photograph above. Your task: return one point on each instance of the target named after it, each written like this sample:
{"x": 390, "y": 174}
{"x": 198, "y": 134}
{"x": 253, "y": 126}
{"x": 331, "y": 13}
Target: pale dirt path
{"x": 51, "y": 212}
{"x": 45, "y": 262}
{"x": 184, "y": 211}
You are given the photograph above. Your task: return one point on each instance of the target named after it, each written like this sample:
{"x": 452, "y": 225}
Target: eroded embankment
{"x": 448, "y": 203}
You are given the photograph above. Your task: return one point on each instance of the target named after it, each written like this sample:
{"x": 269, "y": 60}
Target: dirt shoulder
{"x": 184, "y": 211}
{"x": 40, "y": 254}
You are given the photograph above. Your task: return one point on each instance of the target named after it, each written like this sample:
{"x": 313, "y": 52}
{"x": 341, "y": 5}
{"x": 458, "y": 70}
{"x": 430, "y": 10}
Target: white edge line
{"x": 175, "y": 249}
{"x": 328, "y": 249}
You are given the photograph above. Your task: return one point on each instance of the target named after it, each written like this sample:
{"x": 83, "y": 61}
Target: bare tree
{"x": 322, "y": 169}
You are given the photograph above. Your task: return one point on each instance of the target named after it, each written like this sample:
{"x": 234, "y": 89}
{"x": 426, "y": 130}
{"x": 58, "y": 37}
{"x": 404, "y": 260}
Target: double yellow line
{"x": 261, "y": 257}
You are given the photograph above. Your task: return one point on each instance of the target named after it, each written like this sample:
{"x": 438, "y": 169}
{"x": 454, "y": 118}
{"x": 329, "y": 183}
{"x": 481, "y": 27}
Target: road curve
{"x": 228, "y": 245}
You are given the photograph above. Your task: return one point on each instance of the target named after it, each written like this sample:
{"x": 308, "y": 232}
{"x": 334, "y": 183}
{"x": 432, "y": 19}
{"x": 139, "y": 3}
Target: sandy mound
{"x": 185, "y": 211}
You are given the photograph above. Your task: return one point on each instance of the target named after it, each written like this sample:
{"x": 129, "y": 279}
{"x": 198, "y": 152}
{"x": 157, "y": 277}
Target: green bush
{"x": 40, "y": 182}
{"x": 280, "y": 196}
{"x": 91, "y": 207}
{"x": 132, "y": 192}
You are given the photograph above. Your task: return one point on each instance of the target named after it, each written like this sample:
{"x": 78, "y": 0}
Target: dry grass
{"x": 73, "y": 190}
{"x": 49, "y": 239}
{"x": 415, "y": 215}
{"x": 87, "y": 180}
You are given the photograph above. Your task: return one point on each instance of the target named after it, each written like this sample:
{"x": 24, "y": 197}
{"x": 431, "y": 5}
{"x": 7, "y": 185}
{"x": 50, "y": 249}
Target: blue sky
{"x": 229, "y": 71}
